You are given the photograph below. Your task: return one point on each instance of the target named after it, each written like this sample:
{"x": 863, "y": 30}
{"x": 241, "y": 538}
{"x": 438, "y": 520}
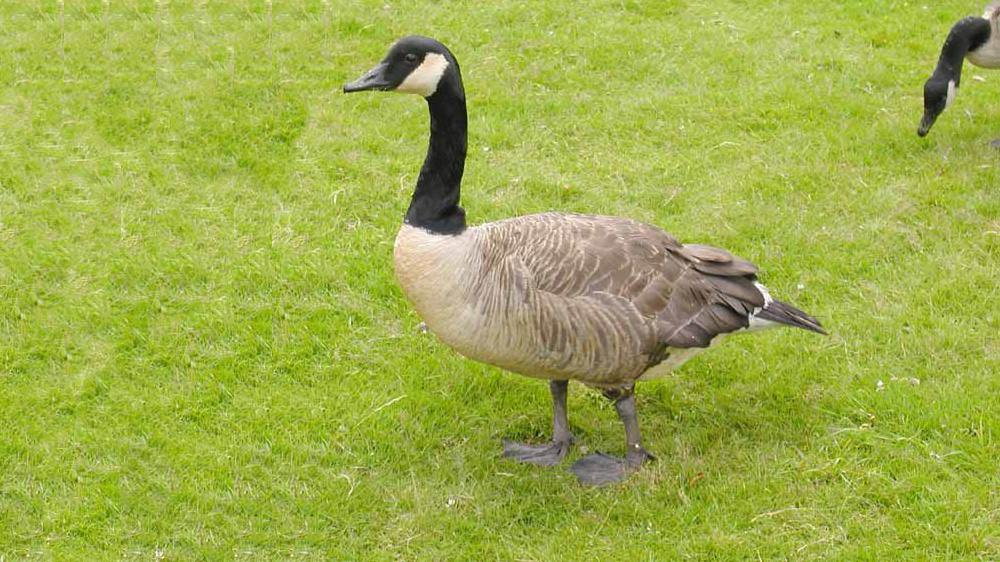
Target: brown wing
{"x": 716, "y": 294}
{"x": 691, "y": 292}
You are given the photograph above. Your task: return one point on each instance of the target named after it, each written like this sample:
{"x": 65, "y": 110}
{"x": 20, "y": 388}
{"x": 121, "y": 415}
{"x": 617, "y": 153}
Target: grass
{"x": 204, "y": 355}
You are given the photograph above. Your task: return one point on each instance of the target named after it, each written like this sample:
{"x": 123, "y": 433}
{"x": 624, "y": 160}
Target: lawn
{"x": 204, "y": 354}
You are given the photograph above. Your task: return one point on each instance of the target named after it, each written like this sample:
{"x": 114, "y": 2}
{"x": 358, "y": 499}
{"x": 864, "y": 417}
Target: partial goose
{"x": 602, "y": 300}
{"x": 973, "y": 38}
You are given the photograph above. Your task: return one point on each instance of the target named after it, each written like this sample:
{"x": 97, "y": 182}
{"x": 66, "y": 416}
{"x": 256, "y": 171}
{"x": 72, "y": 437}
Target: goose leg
{"x": 551, "y": 453}
{"x": 599, "y": 469}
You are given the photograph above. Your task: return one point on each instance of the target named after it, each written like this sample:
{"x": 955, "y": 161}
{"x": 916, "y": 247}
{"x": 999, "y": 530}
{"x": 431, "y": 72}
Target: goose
{"x": 601, "y": 300}
{"x": 974, "y": 38}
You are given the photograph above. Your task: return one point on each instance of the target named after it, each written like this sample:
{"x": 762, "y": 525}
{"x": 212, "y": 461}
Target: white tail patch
{"x": 424, "y": 79}
{"x": 760, "y": 323}
{"x": 675, "y": 359}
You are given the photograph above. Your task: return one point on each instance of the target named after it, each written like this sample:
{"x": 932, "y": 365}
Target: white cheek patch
{"x": 952, "y": 91}
{"x": 424, "y": 79}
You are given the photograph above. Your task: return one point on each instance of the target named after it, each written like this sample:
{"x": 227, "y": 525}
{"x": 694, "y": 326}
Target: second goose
{"x": 974, "y": 38}
{"x": 605, "y": 301}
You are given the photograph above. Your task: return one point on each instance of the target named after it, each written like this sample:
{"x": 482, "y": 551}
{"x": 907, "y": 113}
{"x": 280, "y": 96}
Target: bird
{"x": 601, "y": 300}
{"x": 974, "y": 38}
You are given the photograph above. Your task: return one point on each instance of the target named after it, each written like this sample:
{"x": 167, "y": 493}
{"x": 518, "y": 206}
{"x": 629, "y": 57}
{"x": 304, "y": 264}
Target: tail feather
{"x": 784, "y": 313}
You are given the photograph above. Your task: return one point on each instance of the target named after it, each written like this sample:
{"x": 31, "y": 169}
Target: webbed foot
{"x": 995, "y": 143}
{"x": 549, "y": 454}
{"x": 599, "y": 469}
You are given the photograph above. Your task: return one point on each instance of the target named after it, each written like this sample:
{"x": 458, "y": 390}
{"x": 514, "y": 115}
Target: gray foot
{"x": 549, "y": 454}
{"x": 600, "y": 469}
{"x": 995, "y": 143}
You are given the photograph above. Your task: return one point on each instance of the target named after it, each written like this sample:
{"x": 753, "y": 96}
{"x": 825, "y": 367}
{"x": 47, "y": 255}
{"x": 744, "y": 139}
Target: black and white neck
{"x": 423, "y": 66}
{"x": 965, "y": 37}
{"x": 435, "y": 202}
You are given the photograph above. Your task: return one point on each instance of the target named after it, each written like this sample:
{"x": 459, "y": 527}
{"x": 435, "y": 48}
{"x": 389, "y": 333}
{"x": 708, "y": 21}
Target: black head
{"x": 415, "y": 65}
{"x": 938, "y": 94}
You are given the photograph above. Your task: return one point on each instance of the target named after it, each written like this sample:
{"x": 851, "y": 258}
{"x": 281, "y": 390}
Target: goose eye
{"x": 410, "y": 57}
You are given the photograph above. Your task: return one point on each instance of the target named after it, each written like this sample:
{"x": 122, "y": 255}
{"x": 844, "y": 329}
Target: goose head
{"x": 939, "y": 93}
{"x": 413, "y": 65}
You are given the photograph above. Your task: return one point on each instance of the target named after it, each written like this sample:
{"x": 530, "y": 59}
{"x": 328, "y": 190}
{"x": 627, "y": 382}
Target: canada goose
{"x": 973, "y": 38}
{"x": 604, "y": 301}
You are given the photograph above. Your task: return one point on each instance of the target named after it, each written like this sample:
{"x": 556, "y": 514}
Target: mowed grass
{"x": 204, "y": 354}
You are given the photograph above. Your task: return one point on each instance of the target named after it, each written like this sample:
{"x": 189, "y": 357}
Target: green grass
{"x": 204, "y": 355}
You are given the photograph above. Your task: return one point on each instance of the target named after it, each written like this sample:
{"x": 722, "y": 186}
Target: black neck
{"x": 434, "y": 205}
{"x": 967, "y": 35}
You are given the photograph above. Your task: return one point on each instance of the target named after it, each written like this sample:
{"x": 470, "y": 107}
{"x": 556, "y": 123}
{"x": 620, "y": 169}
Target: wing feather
{"x": 690, "y": 293}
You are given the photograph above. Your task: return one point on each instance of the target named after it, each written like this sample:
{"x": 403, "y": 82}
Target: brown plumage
{"x": 596, "y": 299}
{"x": 601, "y": 300}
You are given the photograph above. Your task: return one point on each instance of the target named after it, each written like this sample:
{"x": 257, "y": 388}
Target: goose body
{"x": 976, "y": 39}
{"x": 587, "y": 298}
{"x": 605, "y": 301}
